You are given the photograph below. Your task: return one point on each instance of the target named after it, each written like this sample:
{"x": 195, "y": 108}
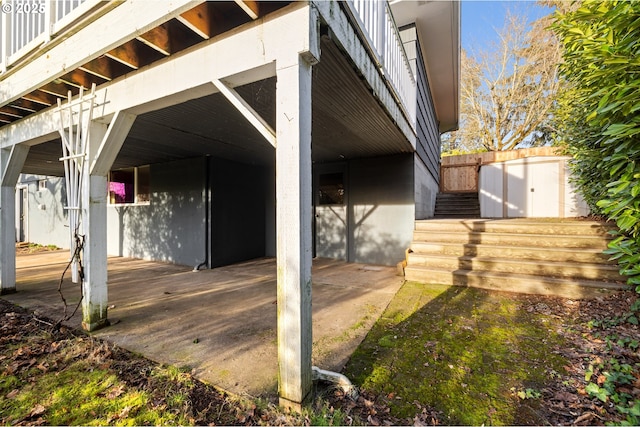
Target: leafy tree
{"x": 599, "y": 115}
{"x": 507, "y": 91}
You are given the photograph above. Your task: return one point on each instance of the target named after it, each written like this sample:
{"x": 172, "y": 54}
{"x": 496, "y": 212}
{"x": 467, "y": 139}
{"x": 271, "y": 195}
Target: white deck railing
{"x": 381, "y": 33}
{"x": 27, "y": 24}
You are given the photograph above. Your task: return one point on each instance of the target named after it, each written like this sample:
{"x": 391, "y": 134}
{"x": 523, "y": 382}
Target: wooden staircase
{"x": 551, "y": 257}
{"x": 457, "y": 205}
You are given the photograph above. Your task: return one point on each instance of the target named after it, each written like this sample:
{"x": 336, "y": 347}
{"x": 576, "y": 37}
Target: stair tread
{"x": 531, "y": 221}
{"x": 547, "y": 279}
{"x": 442, "y": 208}
{"x": 528, "y": 235}
{"x": 533, "y": 248}
{"x": 611, "y": 267}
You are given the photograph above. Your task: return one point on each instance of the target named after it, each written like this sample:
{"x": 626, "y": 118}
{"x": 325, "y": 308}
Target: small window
{"x": 129, "y": 186}
{"x": 42, "y": 185}
{"x": 331, "y": 189}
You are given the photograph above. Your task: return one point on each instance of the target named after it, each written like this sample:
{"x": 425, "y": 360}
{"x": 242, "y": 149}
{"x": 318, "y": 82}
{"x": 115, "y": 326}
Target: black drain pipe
{"x": 207, "y": 215}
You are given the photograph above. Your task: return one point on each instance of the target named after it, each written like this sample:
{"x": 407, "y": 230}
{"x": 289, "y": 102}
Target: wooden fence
{"x": 459, "y": 174}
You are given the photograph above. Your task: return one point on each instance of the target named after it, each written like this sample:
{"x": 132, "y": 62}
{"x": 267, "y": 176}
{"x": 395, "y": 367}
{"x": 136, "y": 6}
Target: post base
{"x": 291, "y": 406}
{"x": 8, "y": 291}
{"x": 90, "y": 327}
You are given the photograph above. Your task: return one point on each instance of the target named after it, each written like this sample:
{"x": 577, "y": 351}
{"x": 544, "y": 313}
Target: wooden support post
{"x": 94, "y": 260}
{"x": 7, "y": 240}
{"x": 94, "y": 229}
{"x": 103, "y": 145}
{"x": 11, "y": 161}
{"x": 293, "y": 230}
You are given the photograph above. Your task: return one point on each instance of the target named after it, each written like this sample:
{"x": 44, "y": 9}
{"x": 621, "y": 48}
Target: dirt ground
{"x": 564, "y": 401}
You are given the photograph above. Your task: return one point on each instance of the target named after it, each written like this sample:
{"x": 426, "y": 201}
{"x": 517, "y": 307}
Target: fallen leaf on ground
{"x": 37, "y": 410}
{"x": 584, "y": 417}
{"x": 115, "y": 392}
{"x": 125, "y": 412}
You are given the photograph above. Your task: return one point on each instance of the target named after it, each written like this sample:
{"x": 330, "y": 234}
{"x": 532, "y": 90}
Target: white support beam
{"x": 188, "y": 75}
{"x": 94, "y": 226}
{"x": 111, "y": 143}
{"x": 293, "y": 230}
{"x": 94, "y": 284}
{"x": 247, "y": 111}
{"x": 12, "y": 160}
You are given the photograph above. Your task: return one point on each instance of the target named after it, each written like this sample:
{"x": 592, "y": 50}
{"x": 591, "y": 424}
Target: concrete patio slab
{"x": 221, "y": 323}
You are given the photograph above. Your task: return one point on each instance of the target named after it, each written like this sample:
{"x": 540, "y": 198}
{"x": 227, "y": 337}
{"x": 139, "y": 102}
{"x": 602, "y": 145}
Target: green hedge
{"x": 598, "y": 118}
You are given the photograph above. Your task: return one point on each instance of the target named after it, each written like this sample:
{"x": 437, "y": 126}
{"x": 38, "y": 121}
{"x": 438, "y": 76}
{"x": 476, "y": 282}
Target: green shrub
{"x": 598, "y": 117}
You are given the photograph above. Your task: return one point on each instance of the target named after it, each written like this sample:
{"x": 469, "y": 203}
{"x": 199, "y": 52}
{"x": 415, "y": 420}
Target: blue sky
{"x": 481, "y": 19}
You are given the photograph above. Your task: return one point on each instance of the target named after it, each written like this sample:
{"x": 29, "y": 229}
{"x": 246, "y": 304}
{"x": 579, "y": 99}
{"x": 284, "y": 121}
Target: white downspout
{"x": 339, "y": 379}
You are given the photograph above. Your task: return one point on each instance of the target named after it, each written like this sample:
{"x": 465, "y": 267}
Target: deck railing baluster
{"x": 27, "y": 24}
{"x": 381, "y": 34}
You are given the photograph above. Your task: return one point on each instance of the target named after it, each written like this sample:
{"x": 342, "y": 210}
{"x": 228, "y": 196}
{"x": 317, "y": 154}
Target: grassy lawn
{"x": 474, "y": 355}
{"x": 438, "y": 355}
{"x": 72, "y": 382}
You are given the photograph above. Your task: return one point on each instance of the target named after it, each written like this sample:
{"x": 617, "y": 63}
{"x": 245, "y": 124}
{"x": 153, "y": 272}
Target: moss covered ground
{"x": 474, "y": 355}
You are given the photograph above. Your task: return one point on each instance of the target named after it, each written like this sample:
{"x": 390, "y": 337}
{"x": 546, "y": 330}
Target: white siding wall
{"x": 47, "y": 219}
{"x": 426, "y": 190}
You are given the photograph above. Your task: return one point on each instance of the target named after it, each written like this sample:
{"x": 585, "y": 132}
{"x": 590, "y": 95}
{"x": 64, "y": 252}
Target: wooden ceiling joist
{"x": 59, "y": 89}
{"x": 81, "y": 78}
{"x": 250, "y": 7}
{"x": 158, "y": 38}
{"x": 206, "y": 20}
{"x": 199, "y": 20}
{"x": 7, "y": 119}
{"x": 13, "y": 112}
{"x": 134, "y": 54}
{"x": 26, "y": 105}
{"x": 41, "y": 98}
{"x": 106, "y": 68}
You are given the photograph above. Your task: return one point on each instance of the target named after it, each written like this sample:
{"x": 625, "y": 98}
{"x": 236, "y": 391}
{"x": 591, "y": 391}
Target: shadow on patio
{"x": 221, "y": 323}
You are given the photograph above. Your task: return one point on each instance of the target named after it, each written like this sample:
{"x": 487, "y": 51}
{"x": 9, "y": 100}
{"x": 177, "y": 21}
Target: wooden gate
{"x": 460, "y": 174}
{"x": 458, "y": 178}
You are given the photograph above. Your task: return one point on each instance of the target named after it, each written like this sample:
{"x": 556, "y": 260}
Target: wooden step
{"x": 512, "y": 252}
{"x": 544, "y": 256}
{"x": 512, "y": 282}
{"x": 575, "y": 270}
{"x": 513, "y": 239}
{"x": 465, "y": 195}
{"x": 457, "y": 205}
{"x": 517, "y": 225}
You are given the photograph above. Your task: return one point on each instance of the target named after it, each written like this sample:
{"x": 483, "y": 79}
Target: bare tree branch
{"x": 508, "y": 89}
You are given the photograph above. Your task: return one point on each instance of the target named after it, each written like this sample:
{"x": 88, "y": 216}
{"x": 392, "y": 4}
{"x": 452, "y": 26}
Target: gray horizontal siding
{"x": 428, "y": 136}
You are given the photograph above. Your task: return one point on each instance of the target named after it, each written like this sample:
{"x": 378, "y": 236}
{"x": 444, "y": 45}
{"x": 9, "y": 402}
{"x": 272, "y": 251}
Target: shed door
{"x": 331, "y": 213}
{"x": 533, "y": 190}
